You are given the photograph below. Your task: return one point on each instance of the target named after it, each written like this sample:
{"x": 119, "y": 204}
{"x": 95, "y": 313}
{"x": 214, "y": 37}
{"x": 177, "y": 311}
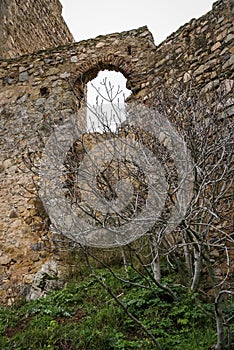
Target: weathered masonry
{"x": 38, "y": 85}
{"x": 28, "y": 26}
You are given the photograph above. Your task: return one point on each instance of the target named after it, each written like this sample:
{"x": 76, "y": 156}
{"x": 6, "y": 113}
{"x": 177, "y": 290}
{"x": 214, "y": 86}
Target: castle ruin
{"x": 41, "y": 66}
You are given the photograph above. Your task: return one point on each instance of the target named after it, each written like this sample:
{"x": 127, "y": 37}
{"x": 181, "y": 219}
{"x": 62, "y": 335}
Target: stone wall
{"x": 28, "y": 26}
{"x": 33, "y": 89}
{"x": 201, "y": 50}
{"x": 43, "y": 85}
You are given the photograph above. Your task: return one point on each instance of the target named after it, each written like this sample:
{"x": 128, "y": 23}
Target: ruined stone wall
{"x": 39, "y": 86}
{"x": 27, "y": 26}
{"x": 33, "y": 89}
{"x": 201, "y": 50}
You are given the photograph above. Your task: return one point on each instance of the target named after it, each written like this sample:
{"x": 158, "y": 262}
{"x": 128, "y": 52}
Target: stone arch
{"x": 89, "y": 70}
{"x": 91, "y": 67}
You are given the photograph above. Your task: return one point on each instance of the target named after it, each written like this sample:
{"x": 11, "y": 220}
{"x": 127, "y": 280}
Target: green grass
{"x": 83, "y": 316}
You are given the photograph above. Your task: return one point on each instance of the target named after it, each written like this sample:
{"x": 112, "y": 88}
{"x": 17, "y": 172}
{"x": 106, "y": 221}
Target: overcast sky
{"x": 89, "y": 18}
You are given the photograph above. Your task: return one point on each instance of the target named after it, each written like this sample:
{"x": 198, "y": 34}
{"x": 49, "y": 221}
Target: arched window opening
{"x": 106, "y": 95}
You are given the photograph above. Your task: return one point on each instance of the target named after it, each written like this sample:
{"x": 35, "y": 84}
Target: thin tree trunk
{"x": 155, "y": 264}
{"x": 187, "y": 257}
{"x": 221, "y": 343}
{"x": 197, "y": 267}
{"x": 124, "y": 260}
